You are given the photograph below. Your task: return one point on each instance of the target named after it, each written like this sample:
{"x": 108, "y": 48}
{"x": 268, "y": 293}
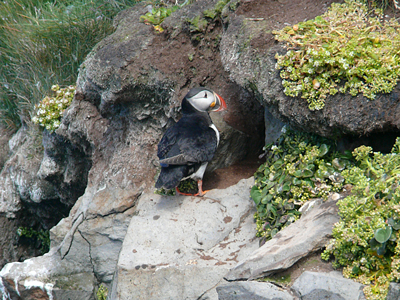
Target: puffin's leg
{"x": 200, "y": 192}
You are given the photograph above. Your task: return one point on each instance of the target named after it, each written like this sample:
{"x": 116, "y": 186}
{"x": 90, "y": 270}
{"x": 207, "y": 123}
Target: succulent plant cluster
{"x": 300, "y": 166}
{"x": 367, "y": 238}
{"x": 157, "y": 15}
{"x": 366, "y": 241}
{"x": 349, "y": 48}
{"x": 49, "y": 111}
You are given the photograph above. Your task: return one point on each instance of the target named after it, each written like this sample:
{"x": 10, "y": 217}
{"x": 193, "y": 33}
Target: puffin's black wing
{"x": 183, "y": 148}
{"x": 189, "y": 141}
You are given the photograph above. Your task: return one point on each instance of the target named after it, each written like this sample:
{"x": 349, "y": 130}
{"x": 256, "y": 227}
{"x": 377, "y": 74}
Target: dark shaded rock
{"x": 65, "y": 165}
{"x": 25, "y": 200}
{"x": 10, "y": 250}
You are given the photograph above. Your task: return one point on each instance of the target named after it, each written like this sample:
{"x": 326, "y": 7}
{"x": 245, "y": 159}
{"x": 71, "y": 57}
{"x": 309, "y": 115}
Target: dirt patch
{"x": 282, "y": 13}
{"x": 226, "y": 177}
{"x": 190, "y": 59}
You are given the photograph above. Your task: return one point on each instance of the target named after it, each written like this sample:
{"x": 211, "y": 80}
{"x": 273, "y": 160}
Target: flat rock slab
{"x": 251, "y": 290}
{"x": 296, "y": 241}
{"x": 181, "y": 247}
{"x": 332, "y": 285}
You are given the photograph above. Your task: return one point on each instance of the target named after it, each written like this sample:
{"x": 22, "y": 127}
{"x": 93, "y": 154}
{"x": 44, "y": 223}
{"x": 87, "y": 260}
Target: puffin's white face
{"x": 206, "y": 100}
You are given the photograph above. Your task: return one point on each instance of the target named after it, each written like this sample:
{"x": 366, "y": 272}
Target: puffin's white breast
{"x": 216, "y": 132}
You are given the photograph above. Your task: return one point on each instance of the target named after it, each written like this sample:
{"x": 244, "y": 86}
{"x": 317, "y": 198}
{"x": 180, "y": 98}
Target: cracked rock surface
{"x": 181, "y": 247}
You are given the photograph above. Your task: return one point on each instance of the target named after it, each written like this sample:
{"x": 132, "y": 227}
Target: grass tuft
{"x": 43, "y": 43}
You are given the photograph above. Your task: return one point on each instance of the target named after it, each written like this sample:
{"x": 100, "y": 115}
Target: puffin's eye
{"x": 205, "y": 95}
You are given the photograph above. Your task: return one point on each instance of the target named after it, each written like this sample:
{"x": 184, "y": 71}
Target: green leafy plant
{"x": 102, "y": 292}
{"x": 367, "y": 238}
{"x": 349, "y": 48}
{"x": 199, "y": 23}
{"x": 39, "y": 238}
{"x": 158, "y": 14}
{"x": 216, "y": 10}
{"x": 300, "y": 167}
{"x": 49, "y": 111}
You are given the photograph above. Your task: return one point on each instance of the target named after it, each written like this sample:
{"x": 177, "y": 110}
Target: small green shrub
{"x": 39, "y": 238}
{"x": 199, "y": 23}
{"x": 158, "y": 14}
{"x": 49, "y": 111}
{"x": 349, "y": 48}
{"x": 367, "y": 238}
{"x": 216, "y": 10}
{"x": 300, "y": 167}
{"x": 102, "y": 292}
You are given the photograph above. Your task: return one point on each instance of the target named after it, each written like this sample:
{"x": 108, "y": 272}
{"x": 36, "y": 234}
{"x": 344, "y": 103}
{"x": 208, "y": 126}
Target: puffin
{"x": 189, "y": 145}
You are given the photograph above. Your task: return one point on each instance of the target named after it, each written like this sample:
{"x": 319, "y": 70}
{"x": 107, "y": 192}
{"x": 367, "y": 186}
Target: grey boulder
{"x": 181, "y": 247}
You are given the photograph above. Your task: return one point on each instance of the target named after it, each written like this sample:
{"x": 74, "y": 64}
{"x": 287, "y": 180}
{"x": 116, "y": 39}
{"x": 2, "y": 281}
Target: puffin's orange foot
{"x": 201, "y": 194}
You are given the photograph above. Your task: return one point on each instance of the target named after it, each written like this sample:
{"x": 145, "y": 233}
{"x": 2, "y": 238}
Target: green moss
{"x": 347, "y": 49}
{"x": 234, "y": 5}
{"x": 74, "y": 282}
{"x": 197, "y": 24}
{"x": 216, "y": 11}
{"x": 279, "y": 279}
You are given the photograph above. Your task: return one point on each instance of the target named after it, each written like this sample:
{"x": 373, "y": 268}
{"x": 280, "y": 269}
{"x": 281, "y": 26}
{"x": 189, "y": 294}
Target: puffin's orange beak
{"x": 222, "y": 104}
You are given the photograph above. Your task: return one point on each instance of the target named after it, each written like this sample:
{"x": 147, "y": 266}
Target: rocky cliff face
{"x": 128, "y": 92}
{"x": 102, "y": 160}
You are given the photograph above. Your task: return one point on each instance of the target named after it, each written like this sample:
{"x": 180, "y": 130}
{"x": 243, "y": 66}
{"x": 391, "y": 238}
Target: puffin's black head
{"x": 204, "y": 100}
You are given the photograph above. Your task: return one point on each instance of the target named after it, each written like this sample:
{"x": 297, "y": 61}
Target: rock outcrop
{"x": 128, "y": 92}
{"x": 309, "y": 234}
{"x": 247, "y": 52}
{"x": 102, "y": 160}
{"x": 26, "y": 200}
